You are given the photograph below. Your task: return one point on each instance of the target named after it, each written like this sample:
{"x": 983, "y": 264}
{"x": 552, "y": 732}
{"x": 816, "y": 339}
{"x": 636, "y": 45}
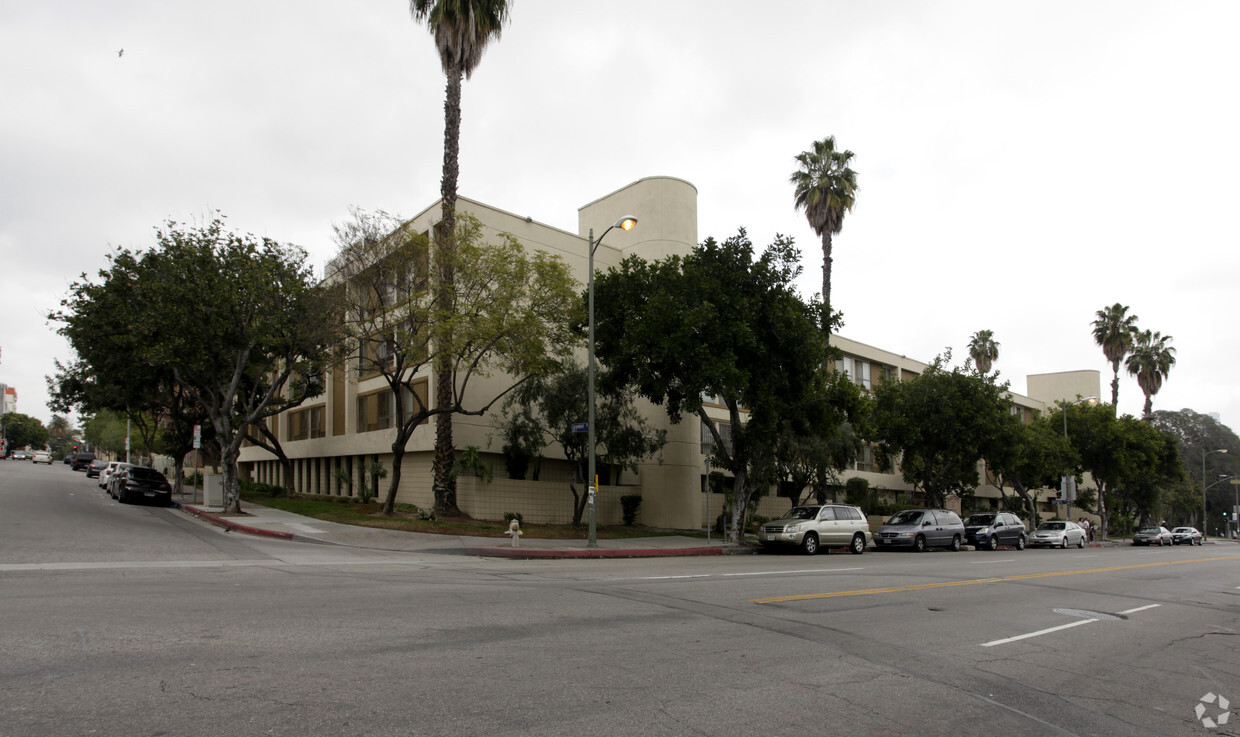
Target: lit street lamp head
{"x": 626, "y": 223}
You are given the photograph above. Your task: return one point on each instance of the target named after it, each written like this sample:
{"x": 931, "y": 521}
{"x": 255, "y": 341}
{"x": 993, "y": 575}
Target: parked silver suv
{"x": 815, "y": 527}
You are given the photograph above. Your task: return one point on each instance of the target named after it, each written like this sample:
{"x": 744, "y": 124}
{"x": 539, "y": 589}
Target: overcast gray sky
{"x": 1020, "y": 164}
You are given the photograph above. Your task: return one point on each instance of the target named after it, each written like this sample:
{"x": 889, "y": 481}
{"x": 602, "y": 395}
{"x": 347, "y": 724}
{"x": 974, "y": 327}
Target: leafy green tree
{"x": 1199, "y": 437}
{"x": 722, "y": 326}
{"x": 105, "y": 431}
{"x": 984, "y": 350}
{"x": 1150, "y": 360}
{"x": 60, "y": 436}
{"x": 941, "y": 424}
{"x": 462, "y": 29}
{"x": 1114, "y": 329}
{"x": 234, "y": 318}
{"x": 1034, "y": 456}
{"x": 554, "y": 402}
{"x": 1131, "y": 461}
{"x": 23, "y": 430}
{"x": 509, "y": 312}
{"x": 97, "y": 317}
{"x": 826, "y": 189}
{"x": 813, "y": 446}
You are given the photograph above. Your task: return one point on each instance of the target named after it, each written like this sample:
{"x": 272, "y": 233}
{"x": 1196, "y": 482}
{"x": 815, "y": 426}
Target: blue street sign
{"x": 581, "y": 427}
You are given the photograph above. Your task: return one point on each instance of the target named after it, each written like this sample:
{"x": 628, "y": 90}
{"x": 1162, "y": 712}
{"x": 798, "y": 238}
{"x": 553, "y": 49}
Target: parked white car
{"x": 42, "y": 456}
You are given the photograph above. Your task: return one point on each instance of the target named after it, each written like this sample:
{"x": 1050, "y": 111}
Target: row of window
{"x": 375, "y": 411}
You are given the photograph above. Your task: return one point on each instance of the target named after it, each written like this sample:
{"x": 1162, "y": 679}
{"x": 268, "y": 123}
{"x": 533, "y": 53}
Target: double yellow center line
{"x": 971, "y": 582}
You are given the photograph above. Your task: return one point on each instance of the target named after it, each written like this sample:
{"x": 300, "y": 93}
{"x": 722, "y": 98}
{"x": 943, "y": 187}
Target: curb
{"x": 593, "y": 554}
{"x": 233, "y": 526}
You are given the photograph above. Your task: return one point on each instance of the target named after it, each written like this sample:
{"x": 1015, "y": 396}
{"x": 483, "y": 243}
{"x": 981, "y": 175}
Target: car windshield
{"x": 1183, "y": 530}
{"x": 979, "y": 520}
{"x": 801, "y": 513}
{"x": 908, "y": 517}
{"x": 1150, "y": 530}
{"x": 1053, "y": 526}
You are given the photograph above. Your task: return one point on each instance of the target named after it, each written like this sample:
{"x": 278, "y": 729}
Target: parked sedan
{"x": 42, "y": 456}
{"x": 1153, "y": 535}
{"x": 1185, "y": 536}
{"x": 97, "y": 465}
{"x": 1058, "y": 534}
{"x": 138, "y": 483}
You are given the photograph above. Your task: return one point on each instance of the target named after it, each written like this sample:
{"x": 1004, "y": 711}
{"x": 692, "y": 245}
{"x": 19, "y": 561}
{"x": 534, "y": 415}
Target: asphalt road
{"x": 129, "y": 620}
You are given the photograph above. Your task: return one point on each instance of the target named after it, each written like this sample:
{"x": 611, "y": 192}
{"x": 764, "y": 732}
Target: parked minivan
{"x": 992, "y": 529}
{"x": 815, "y": 527}
{"x": 921, "y": 529}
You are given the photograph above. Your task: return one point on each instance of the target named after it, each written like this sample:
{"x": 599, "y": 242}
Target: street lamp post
{"x": 625, "y": 223}
{"x": 1204, "y": 488}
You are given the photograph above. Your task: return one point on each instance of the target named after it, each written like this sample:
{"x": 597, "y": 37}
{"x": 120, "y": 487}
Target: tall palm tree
{"x": 1150, "y": 360}
{"x": 984, "y": 349}
{"x": 1114, "y": 331}
{"x": 462, "y": 30}
{"x": 825, "y": 188}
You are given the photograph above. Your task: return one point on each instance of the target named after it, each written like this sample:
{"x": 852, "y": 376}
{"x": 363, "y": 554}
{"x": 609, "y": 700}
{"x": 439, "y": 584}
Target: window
{"x": 377, "y": 410}
{"x": 865, "y": 459}
{"x": 306, "y": 423}
{"x": 828, "y": 513}
{"x": 855, "y": 369}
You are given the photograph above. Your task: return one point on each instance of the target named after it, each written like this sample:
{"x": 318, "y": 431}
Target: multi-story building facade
{"x": 349, "y": 426}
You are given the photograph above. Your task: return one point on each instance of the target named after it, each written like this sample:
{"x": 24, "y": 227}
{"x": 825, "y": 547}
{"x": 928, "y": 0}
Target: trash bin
{"x": 213, "y": 490}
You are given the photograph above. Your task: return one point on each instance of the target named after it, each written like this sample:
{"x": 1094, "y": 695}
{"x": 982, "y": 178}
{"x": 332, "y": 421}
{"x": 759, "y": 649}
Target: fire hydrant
{"x": 514, "y": 531}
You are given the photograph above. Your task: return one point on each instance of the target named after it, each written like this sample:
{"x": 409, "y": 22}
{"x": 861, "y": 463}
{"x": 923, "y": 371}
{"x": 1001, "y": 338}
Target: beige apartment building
{"x": 349, "y": 425}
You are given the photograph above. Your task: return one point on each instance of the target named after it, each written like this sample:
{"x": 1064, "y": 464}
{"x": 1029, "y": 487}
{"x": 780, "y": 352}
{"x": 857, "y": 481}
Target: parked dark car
{"x": 921, "y": 529}
{"x": 97, "y": 465}
{"x": 81, "y": 461}
{"x": 992, "y": 529}
{"x": 141, "y": 484}
{"x": 68, "y": 459}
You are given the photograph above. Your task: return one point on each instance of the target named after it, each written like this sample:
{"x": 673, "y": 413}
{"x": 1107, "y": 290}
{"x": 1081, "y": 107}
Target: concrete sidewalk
{"x": 278, "y": 524}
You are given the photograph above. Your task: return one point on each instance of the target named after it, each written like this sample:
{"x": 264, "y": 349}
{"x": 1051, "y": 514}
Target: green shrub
{"x": 426, "y": 513}
{"x": 257, "y": 487}
{"x": 628, "y": 505}
{"x": 510, "y": 516}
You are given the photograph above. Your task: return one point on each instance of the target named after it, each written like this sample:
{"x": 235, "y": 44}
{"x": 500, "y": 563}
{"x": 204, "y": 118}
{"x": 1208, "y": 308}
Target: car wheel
{"x": 858, "y": 544}
{"x": 955, "y": 546}
{"x": 1020, "y": 543}
{"x": 1081, "y": 543}
{"x": 919, "y": 543}
{"x": 994, "y": 542}
{"x": 810, "y": 543}
{"x": 1063, "y": 543}
{"x": 1160, "y": 542}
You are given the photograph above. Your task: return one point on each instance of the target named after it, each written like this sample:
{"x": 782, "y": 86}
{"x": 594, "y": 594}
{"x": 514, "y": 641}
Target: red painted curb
{"x": 230, "y": 525}
{"x": 586, "y": 554}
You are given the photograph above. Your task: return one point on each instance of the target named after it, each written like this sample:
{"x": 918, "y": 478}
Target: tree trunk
{"x": 740, "y": 503}
{"x": 826, "y": 282}
{"x": 232, "y": 483}
{"x": 1102, "y": 508}
{"x": 444, "y": 486}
